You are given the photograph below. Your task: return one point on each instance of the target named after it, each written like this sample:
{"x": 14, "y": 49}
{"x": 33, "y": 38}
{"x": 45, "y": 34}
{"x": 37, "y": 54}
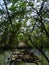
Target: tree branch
{"x": 40, "y": 15}
{"x": 7, "y": 12}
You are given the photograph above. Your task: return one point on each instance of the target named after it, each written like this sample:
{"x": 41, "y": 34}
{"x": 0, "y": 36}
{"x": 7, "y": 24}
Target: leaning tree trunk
{"x": 44, "y": 55}
{"x": 42, "y": 52}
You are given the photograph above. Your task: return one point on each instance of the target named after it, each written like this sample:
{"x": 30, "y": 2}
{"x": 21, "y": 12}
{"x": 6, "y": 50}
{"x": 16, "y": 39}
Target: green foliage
{"x": 20, "y": 13}
{"x": 27, "y": 20}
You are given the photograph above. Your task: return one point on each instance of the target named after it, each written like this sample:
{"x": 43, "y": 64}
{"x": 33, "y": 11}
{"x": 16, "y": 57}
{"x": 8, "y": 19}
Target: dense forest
{"x": 24, "y": 21}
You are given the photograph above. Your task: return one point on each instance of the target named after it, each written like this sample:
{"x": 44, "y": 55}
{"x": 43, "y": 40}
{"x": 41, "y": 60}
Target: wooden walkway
{"x": 23, "y": 54}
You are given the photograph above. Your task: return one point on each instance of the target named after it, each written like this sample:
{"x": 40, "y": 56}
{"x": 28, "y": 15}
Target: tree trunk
{"x": 42, "y": 52}
{"x": 44, "y": 55}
